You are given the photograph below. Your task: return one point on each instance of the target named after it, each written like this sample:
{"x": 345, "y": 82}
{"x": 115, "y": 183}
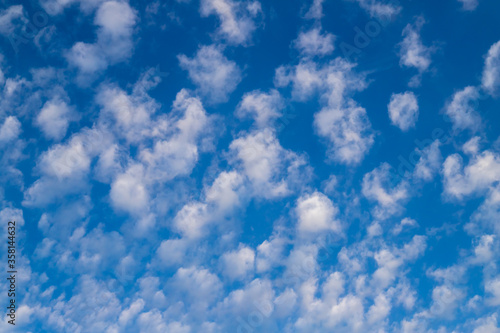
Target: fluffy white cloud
{"x": 314, "y": 43}
{"x": 270, "y": 253}
{"x": 236, "y": 18}
{"x": 272, "y": 170}
{"x": 406, "y": 222}
{"x": 334, "y": 81}
{"x": 10, "y": 18}
{"x": 239, "y": 264}
{"x": 221, "y": 198}
{"x": 485, "y": 249}
{"x": 192, "y": 220}
{"x": 331, "y": 312}
{"x": 132, "y": 311}
{"x": 342, "y": 122}
{"x": 177, "y": 154}
{"x": 469, "y": 4}
{"x": 264, "y": 108}
{"x": 10, "y": 129}
{"x": 316, "y": 10}
{"x": 116, "y": 20}
{"x": 54, "y": 118}
{"x": 492, "y": 287}
{"x": 446, "y": 300}
{"x": 131, "y": 114}
{"x": 403, "y": 110}
{"x": 257, "y": 295}
{"x": 74, "y": 157}
{"x": 487, "y": 325}
{"x": 172, "y": 251}
{"x": 482, "y": 172}
{"x": 461, "y": 109}
{"x": 429, "y": 163}
{"x": 215, "y": 75}
{"x": 389, "y": 197}
{"x": 413, "y": 53}
{"x": 380, "y": 9}
{"x": 491, "y": 71}
{"x": 128, "y": 192}
{"x": 316, "y": 214}
{"x": 56, "y": 7}
{"x": 226, "y": 191}
{"x": 198, "y": 284}
{"x": 154, "y": 322}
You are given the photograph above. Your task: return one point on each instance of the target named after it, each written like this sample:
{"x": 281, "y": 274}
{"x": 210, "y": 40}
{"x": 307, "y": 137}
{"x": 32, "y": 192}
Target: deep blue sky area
{"x": 248, "y": 166}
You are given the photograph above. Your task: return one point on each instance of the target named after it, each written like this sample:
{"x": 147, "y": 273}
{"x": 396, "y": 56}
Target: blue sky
{"x": 252, "y": 166}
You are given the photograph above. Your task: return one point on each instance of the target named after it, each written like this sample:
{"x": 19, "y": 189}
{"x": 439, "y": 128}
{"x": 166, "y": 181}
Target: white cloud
{"x": 379, "y": 9}
{"x": 316, "y": 214}
{"x": 131, "y": 114}
{"x": 389, "y": 197}
{"x": 199, "y": 285}
{"x": 226, "y": 191}
{"x": 379, "y": 310}
{"x": 132, "y": 311}
{"x": 10, "y": 129}
{"x": 446, "y": 300}
{"x": 342, "y": 121}
{"x": 472, "y": 146}
{"x": 491, "y": 71}
{"x": 239, "y": 264}
{"x": 482, "y": 172}
{"x": 154, "y": 322}
{"x": 413, "y": 53}
{"x": 314, "y": 43}
{"x": 177, "y": 154}
{"x": 116, "y": 21}
{"x": 331, "y": 312}
{"x": 301, "y": 264}
{"x": 469, "y": 4}
{"x": 12, "y": 214}
{"x": 390, "y": 262}
{"x": 406, "y": 222}
{"x": 488, "y": 325}
{"x": 54, "y": 118}
{"x": 270, "y": 253}
{"x": 236, "y": 18}
{"x": 461, "y": 110}
{"x": 172, "y": 251}
{"x": 272, "y": 170}
{"x": 429, "y": 163}
{"x": 316, "y": 10}
{"x": 92, "y": 306}
{"x": 215, "y": 75}
{"x": 349, "y": 131}
{"x": 192, "y": 220}
{"x": 70, "y": 159}
{"x": 264, "y": 108}
{"x": 403, "y": 110}
{"x": 56, "y": 7}
{"x": 221, "y": 198}
{"x": 485, "y": 249}
{"x": 11, "y": 18}
{"x": 258, "y": 295}
{"x": 492, "y": 287}
{"x": 128, "y": 192}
